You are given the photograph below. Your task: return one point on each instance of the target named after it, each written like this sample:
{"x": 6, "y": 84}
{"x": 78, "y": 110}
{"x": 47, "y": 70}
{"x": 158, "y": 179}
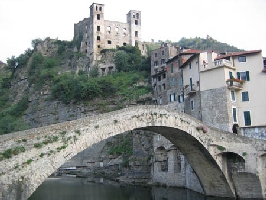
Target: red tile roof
{"x": 237, "y": 54}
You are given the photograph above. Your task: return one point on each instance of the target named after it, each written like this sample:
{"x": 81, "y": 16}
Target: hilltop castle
{"x": 94, "y": 34}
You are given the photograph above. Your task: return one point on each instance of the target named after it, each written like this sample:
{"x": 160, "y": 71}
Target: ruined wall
{"x": 258, "y": 132}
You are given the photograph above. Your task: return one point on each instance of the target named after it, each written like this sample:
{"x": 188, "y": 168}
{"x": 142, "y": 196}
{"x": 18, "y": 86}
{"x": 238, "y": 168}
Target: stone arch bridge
{"x": 28, "y": 157}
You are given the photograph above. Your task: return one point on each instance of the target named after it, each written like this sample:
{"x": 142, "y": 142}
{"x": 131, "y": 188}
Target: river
{"x": 82, "y": 189}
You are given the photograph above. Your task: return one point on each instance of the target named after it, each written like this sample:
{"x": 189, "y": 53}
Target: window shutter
{"x": 230, "y": 74}
{"x": 179, "y": 98}
{"x": 247, "y": 75}
{"x": 238, "y": 75}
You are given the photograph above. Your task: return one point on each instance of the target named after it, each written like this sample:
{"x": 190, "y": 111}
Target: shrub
{"x": 38, "y": 145}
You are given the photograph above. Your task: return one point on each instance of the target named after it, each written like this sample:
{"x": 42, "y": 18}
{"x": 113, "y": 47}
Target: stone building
{"x": 159, "y": 57}
{"x": 171, "y": 168}
{"x": 93, "y": 34}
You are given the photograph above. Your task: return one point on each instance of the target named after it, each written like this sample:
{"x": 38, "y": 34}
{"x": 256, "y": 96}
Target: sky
{"x": 241, "y": 23}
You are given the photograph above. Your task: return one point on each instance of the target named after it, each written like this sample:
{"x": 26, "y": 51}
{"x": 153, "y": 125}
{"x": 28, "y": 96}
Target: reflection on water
{"x": 81, "y": 189}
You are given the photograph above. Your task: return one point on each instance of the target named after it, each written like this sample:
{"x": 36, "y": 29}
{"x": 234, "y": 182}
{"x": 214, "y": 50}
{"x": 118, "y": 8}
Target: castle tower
{"x": 96, "y": 30}
{"x": 134, "y": 21}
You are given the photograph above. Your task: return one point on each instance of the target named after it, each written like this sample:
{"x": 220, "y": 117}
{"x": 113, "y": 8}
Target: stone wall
{"x": 258, "y": 132}
{"x": 214, "y": 110}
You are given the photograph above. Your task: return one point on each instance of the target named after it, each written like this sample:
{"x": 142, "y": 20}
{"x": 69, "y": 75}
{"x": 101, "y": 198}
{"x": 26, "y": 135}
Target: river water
{"x": 82, "y": 189}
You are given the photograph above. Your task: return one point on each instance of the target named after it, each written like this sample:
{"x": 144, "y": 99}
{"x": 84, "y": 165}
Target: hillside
{"x": 51, "y": 84}
{"x": 206, "y": 44}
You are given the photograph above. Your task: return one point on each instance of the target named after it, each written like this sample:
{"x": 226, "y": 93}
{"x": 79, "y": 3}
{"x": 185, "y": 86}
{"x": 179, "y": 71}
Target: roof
{"x": 188, "y": 60}
{"x": 190, "y": 51}
{"x": 237, "y": 54}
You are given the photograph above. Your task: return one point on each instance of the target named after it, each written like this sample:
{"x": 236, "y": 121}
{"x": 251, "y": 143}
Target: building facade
{"x": 94, "y": 34}
{"x": 160, "y": 82}
{"x": 219, "y": 89}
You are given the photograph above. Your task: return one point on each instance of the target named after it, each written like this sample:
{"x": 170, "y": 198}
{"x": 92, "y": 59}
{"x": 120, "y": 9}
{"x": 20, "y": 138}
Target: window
{"x": 189, "y": 65}
{"x": 234, "y": 114}
{"x": 247, "y": 118}
{"x": 155, "y": 63}
{"x": 180, "y": 80}
{"x": 181, "y": 98}
{"x": 133, "y": 15}
{"x": 155, "y": 55}
{"x": 100, "y": 9}
{"x": 99, "y": 46}
{"x": 230, "y": 74}
{"x": 162, "y": 61}
{"x": 136, "y": 34}
{"x": 116, "y": 29}
{"x": 136, "y": 22}
{"x": 172, "y": 81}
{"x": 192, "y": 105}
{"x": 109, "y": 42}
{"x": 124, "y": 44}
{"x": 162, "y": 52}
{"x": 172, "y": 97}
{"x": 98, "y": 16}
{"x": 243, "y": 75}
{"x": 163, "y": 75}
{"x": 159, "y": 78}
{"x": 190, "y": 81}
{"x": 172, "y": 68}
{"x": 98, "y": 28}
{"x": 163, "y": 86}
{"x": 98, "y": 38}
{"x": 179, "y": 63}
{"x": 245, "y": 96}
{"x": 233, "y": 97}
{"x": 241, "y": 58}
{"x": 137, "y": 15}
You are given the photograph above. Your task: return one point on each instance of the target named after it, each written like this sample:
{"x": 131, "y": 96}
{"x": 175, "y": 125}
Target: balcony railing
{"x": 235, "y": 84}
{"x": 217, "y": 64}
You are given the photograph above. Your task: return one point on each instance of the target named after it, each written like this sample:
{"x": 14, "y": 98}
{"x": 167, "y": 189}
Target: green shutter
{"x": 230, "y": 74}
{"x": 247, "y": 75}
{"x": 238, "y": 75}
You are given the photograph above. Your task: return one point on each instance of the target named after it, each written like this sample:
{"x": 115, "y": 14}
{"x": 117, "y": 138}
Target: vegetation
{"x": 205, "y": 44}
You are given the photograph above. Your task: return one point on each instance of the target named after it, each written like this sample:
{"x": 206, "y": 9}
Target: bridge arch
{"x": 192, "y": 137}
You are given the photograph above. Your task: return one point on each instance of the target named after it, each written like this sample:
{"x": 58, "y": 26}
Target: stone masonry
{"x": 47, "y": 148}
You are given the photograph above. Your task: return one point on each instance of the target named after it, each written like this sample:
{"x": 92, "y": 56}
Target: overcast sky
{"x": 241, "y": 23}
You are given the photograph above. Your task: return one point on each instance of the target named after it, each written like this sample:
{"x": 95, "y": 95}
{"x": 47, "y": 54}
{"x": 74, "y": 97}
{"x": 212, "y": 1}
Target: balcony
{"x": 235, "y": 84}
{"x": 190, "y": 90}
{"x": 219, "y": 63}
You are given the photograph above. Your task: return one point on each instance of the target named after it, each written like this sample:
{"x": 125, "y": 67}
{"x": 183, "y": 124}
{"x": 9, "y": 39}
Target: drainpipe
{"x": 199, "y": 90}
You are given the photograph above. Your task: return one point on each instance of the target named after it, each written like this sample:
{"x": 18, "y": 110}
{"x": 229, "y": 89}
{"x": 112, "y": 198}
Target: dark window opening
{"x": 100, "y": 8}
{"x": 133, "y": 15}
{"x": 155, "y": 55}
{"x": 98, "y": 38}
{"x": 86, "y": 51}
{"x": 86, "y": 43}
{"x": 96, "y": 8}
{"x": 99, "y": 46}
{"x": 98, "y": 16}
{"x": 136, "y": 22}
{"x": 137, "y": 15}
{"x": 109, "y": 42}
{"x": 164, "y": 75}
{"x": 241, "y": 58}
{"x": 98, "y": 28}
{"x": 136, "y": 34}
{"x": 247, "y": 118}
{"x": 124, "y": 44}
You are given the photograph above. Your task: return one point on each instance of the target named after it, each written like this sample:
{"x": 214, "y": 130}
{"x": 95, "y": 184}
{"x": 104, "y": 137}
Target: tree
{"x": 121, "y": 61}
{"x": 94, "y": 72}
{"x": 35, "y": 42}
